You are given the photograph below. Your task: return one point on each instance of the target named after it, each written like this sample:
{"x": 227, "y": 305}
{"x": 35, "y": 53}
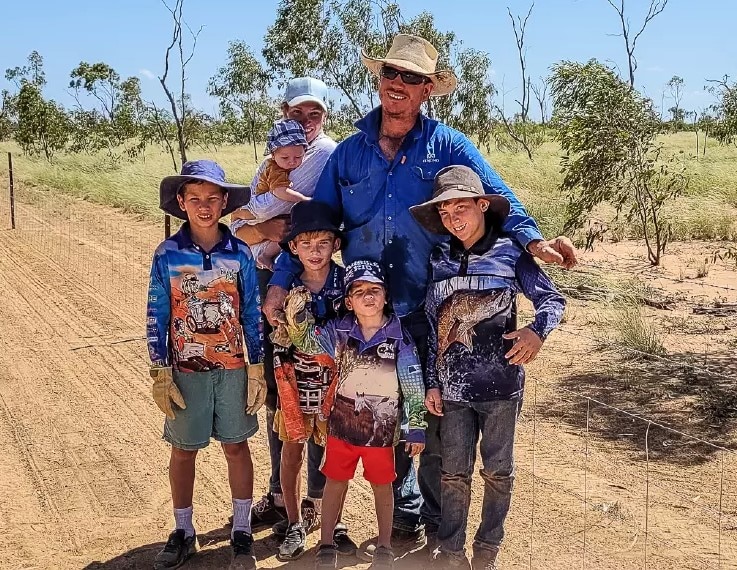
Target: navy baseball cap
{"x": 306, "y": 89}
{"x": 207, "y": 171}
{"x": 363, "y": 270}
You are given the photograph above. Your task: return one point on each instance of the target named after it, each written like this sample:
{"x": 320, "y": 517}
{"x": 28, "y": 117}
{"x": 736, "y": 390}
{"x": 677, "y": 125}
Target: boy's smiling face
{"x": 464, "y": 218}
{"x": 204, "y": 203}
{"x": 315, "y": 249}
{"x": 366, "y": 299}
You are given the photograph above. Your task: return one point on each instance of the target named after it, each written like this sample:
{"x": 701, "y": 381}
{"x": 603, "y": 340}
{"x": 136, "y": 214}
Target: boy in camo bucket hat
{"x": 475, "y": 378}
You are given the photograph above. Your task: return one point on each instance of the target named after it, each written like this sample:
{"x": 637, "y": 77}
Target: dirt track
{"x": 84, "y": 471}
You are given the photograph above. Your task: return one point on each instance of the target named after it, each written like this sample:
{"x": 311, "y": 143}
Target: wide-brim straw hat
{"x": 452, "y": 183}
{"x": 415, "y": 54}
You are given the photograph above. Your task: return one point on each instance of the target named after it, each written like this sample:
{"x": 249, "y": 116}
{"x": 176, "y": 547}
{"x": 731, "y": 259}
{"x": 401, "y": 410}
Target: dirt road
{"x": 84, "y": 471}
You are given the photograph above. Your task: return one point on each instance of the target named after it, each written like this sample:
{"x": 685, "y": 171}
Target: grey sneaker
{"x": 484, "y": 559}
{"x": 177, "y": 550}
{"x": 444, "y": 559}
{"x": 326, "y": 557}
{"x": 243, "y": 558}
{"x": 293, "y": 545}
{"x": 383, "y": 558}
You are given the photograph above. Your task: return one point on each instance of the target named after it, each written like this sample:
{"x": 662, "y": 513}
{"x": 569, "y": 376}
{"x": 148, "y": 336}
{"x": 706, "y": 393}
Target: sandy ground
{"x": 84, "y": 470}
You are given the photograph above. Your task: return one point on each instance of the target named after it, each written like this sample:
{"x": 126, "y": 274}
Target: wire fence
{"x": 600, "y": 483}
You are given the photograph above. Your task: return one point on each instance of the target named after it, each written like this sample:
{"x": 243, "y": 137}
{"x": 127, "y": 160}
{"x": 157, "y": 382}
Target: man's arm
{"x": 158, "y": 312}
{"x": 549, "y": 304}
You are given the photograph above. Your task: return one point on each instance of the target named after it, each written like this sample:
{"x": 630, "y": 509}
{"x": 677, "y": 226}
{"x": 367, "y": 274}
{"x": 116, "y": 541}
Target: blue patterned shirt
{"x": 201, "y": 304}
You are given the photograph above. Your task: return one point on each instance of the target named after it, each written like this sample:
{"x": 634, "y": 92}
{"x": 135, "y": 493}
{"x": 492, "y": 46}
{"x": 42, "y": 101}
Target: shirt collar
{"x": 371, "y": 125}
{"x": 183, "y": 238}
{"x": 391, "y": 329}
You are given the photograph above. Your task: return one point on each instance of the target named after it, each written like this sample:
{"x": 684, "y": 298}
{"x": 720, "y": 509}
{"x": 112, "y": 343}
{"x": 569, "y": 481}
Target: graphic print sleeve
{"x": 538, "y": 288}
{"x": 431, "y": 310}
{"x": 310, "y": 338}
{"x": 409, "y": 372}
{"x": 250, "y": 308}
{"x": 158, "y": 310}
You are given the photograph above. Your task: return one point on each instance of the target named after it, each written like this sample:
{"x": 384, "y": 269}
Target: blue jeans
{"x": 417, "y": 492}
{"x": 460, "y": 428}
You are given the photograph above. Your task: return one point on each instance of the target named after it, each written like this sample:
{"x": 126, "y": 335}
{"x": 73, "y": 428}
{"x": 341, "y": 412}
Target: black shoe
{"x": 265, "y": 513}
{"x": 293, "y": 545}
{"x": 310, "y": 515}
{"x": 177, "y": 550}
{"x": 243, "y": 558}
{"x": 383, "y": 558}
{"x": 326, "y": 557}
{"x": 342, "y": 541}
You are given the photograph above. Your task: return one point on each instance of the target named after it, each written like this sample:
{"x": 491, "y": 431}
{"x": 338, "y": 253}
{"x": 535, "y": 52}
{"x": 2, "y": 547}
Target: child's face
{"x": 464, "y": 218}
{"x": 366, "y": 299}
{"x": 289, "y": 157}
{"x": 315, "y": 249}
{"x": 204, "y": 204}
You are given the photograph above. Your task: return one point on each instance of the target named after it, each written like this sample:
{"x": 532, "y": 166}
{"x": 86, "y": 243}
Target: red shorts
{"x": 341, "y": 459}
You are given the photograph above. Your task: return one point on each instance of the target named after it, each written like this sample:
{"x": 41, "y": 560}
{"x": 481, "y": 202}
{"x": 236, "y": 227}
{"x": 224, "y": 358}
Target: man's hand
{"x": 559, "y": 250}
{"x": 165, "y": 392}
{"x": 275, "y": 229}
{"x": 434, "y": 402}
{"x": 414, "y": 448}
{"x": 256, "y": 388}
{"x": 273, "y": 307}
{"x": 526, "y": 345}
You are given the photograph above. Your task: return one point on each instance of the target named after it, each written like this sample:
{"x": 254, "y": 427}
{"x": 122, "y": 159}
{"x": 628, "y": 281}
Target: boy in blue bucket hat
{"x": 286, "y": 144}
{"x": 203, "y": 307}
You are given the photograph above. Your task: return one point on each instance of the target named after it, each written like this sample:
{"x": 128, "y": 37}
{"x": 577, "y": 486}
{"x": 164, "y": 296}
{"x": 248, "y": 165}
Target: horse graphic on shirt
{"x": 384, "y": 411}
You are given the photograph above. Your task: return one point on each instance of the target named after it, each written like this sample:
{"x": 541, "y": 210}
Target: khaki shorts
{"x": 315, "y": 428}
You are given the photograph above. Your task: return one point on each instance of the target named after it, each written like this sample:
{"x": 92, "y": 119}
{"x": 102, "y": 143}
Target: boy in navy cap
{"x": 286, "y": 144}
{"x": 203, "y": 307}
{"x": 378, "y": 387}
{"x": 304, "y": 378}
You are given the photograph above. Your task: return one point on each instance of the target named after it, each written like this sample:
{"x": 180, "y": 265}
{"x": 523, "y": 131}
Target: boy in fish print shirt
{"x": 475, "y": 378}
{"x": 378, "y": 384}
{"x": 203, "y": 311}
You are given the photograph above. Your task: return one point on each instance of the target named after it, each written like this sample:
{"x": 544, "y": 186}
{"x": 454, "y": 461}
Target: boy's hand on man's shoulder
{"x": 526, "y": 345}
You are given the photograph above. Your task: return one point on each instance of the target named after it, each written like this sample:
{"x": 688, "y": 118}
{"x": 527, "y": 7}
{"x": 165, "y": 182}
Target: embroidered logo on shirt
{"x": 431, "y": 156}
{"x": 385, "y": 350}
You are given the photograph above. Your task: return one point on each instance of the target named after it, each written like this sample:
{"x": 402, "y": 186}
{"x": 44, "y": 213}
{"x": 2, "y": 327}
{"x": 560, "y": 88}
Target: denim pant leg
{"x": 429, "y": 475}
{"x": 275, "y": 446}
{"x": 315, "y": 478}
{"x": 497, "y": 422}
{"x": 407, "y": 499}
{"x": 459, "y": 429}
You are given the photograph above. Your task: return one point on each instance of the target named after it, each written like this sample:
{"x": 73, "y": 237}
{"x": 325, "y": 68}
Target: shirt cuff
{"x": 539, "y": 330}
{"x": 526, "y": 236}
{"x": 415, "y": 436}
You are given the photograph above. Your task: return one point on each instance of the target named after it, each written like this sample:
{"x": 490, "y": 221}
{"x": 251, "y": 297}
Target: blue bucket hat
{"x": 306, "y": 90}
{"x": 363, "y": 270}
{"x": 207, "y": 171}
{"x": 285, "y": 133}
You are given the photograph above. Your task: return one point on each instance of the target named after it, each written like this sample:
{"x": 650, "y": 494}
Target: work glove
{"x": 256, "y": 388}
{"x": 165, "y": 392}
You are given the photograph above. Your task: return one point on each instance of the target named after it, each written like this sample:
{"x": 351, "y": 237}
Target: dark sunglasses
{"x": 407, "y": 76}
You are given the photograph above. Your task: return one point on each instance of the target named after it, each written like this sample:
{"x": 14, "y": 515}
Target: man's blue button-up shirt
{"x": 373, "y": 195}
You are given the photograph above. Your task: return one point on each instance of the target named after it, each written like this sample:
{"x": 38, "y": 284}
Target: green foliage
{"x": 241, "y": 89}
{"x": 43, "y": 126}
{"x": 724, "y": 127}
{"x": 607, "y": 131}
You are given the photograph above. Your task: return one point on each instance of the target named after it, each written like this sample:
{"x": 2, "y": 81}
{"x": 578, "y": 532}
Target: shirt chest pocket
{"x": 420, "y": 187}
{"x": 360, "y": 201}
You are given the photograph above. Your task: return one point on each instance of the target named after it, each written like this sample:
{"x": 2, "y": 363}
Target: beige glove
{"x": 256, "y": 388}
{"x": 165, "y": 391}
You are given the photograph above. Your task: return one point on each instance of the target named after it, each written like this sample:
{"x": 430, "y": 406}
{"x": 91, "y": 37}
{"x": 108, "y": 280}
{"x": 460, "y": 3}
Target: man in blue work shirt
{"x": 372, "y": 178}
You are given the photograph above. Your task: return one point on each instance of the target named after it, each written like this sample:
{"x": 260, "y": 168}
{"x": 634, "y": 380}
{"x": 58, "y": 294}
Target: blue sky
{"x": 694, "y": 40}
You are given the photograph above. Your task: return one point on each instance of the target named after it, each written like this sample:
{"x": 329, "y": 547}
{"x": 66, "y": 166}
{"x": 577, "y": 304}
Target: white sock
{"x": 241, "y": 515}
{"x": 278, "y": 499}
{"x": 183, "y": 520}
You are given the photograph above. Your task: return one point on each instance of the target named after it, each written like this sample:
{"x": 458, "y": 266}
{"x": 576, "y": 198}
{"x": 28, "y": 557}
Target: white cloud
{"x": 146, "y": 73}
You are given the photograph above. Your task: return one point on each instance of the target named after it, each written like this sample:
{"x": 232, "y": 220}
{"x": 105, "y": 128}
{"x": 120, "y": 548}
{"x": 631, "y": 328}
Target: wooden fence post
{"x": 12, "y": 191}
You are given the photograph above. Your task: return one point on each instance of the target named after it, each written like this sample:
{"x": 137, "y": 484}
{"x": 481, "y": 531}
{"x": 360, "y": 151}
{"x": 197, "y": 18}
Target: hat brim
{"x": 307, "y": 99}
{"x": 315, "y": 226}
{"x": 238, "y": 194}
{"x": 426, "y": 214}
{"x": 444, "y": 80}
{"x": 367, "y": 279}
